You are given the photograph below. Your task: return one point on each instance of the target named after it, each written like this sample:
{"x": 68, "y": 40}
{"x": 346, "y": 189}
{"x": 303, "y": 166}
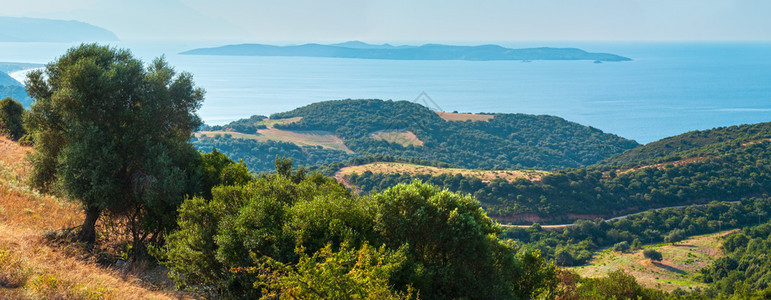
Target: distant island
{"x": 356, "y": 49}
{"x": 55, "y": 31}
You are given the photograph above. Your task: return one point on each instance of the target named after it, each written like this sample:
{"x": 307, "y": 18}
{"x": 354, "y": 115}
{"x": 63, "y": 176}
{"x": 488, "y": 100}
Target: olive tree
{"x": 114, "y": 135}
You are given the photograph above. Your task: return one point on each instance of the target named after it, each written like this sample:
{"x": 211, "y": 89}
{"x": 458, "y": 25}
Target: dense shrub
{"x": 270, "y": 236}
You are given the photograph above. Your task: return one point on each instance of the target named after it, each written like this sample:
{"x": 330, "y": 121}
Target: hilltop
{"x": 341, "y": 130}
{"x": 356, "y": 49}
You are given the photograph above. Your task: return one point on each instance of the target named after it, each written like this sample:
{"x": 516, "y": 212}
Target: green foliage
{"x": 452, "y": 242}
{"x": 580, "y": 240}
{"x": 617, "y": 285}
{"x": 11, "y": 119}
{"x": 249, "y": 126}
{"x": 652, "y": 254}
{"x": 115, "y": 136}
{"x": 346, "y": 274}
{"x": 259, "y": 156}
{"x": 675, "y": 236}
{"x": 622, "y": 246}
{"x": 745, "y": 271}
{"x": 694, "y": 143}
{"x": 289, "y": 234}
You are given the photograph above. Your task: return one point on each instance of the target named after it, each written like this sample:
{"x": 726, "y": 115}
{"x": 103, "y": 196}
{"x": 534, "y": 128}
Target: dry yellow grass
{"x": 31, "y": 268}
{"x": 401, "y": 137}
{"x": 403, "y": 168}
{"x": 463, "y": 117}
{"x": 325, "y": 139}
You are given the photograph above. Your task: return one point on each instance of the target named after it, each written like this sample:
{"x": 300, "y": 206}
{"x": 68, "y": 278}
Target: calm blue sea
{"x": 668, "y": 89}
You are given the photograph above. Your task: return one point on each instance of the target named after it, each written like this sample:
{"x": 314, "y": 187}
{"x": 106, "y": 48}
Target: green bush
{"x": 621, "y": 246}
{"x": 652, "y": 254}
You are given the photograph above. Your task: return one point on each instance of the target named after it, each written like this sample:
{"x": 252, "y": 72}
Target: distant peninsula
{"x": 54, "y": 31}
{"x": 356, "y": 49}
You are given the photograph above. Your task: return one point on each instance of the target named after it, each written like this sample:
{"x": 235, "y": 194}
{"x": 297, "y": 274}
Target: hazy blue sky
{"x": 411, "y": 20}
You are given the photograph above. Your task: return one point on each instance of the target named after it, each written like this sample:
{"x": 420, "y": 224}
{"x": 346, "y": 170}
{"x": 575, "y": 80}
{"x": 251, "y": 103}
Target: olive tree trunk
{"x": 88, "y": 230}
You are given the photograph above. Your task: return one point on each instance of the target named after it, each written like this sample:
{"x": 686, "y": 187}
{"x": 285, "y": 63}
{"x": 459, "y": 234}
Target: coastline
{"x": 21, "y": 75}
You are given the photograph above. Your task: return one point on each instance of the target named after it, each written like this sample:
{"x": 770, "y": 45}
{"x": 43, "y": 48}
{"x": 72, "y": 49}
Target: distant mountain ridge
{"x": 357, "y": 49}
{"x": 14, "y": 29}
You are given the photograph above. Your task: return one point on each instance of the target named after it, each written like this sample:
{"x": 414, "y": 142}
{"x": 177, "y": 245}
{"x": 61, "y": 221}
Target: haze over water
{"x": 668, "y": 88}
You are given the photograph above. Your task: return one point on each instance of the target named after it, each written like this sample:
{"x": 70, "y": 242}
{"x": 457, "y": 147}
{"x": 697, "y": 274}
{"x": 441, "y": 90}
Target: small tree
{"x": 675, "y": 236}
{"x": 11, "y": 124}
{"x": 621, "y": 246}
{"x": 653, "y": 255}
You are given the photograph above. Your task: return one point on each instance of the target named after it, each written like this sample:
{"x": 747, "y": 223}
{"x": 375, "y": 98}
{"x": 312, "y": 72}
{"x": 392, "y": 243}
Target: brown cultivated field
{"x": 401, "y": 137}
{"x": 463, "y": 117}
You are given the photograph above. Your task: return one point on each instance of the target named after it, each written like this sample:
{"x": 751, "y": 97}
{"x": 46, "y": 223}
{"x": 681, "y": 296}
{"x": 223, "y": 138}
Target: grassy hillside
{"x": 678, "y": 269}
{"x": 33, "y": 267}
{"x": 411, "y": 131}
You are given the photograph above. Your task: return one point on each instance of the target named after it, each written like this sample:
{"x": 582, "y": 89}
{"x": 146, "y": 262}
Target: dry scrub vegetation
{"x": 33, "y": 267}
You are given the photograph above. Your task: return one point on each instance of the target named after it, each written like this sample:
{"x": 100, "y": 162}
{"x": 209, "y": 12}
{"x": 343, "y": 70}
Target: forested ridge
{"x": 506, "y": 141}
{"x": 740, "y": 170}
{"x": 695, "y": 143}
